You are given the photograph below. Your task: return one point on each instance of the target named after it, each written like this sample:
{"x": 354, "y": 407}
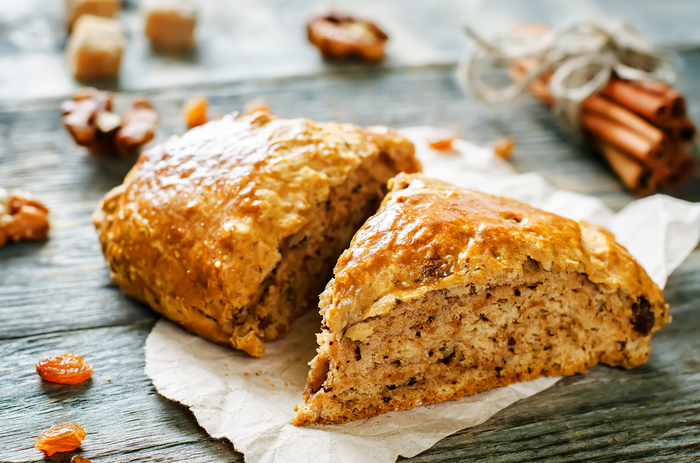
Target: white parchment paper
{"x": 251, "y": 401}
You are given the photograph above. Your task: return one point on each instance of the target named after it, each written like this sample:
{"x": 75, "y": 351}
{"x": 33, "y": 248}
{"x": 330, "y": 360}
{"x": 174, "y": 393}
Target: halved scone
{"x": 233, "y": 229}
{"x": 446, "y": 292}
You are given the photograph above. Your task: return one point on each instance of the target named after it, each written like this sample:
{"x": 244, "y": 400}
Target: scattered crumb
{"x": 286, "y": 384}
{"x": 503, "y": 147}
{"x": 225, "y": 374}
{"x": 225, "y": 364}
{"x": 272, "y": 385}
{"x": 258, "y": 373}
{"x": 109, "y": 379}
{"x": 245, "y": 374}
{"x": 267, "y": 380}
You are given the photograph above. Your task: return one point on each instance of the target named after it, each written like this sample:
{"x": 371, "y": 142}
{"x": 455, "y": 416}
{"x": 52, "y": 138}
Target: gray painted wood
{"x": 55, "y": 296}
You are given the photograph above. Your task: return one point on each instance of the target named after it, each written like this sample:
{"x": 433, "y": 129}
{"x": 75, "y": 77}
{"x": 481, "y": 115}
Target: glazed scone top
{"x": 216, "y": 203}
{"x": 429, "y": 235}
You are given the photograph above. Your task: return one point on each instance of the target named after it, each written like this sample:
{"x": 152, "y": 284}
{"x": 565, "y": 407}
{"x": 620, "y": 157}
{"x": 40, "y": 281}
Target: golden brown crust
{"x": 340, "y": 37}
{"x": 200, "y": 225}
{"x": 446, "y": 292}
{"x": 429, "y": 234}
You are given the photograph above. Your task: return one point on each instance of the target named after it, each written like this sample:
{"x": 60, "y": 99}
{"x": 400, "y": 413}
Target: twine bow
{"x": 583, "y": 57}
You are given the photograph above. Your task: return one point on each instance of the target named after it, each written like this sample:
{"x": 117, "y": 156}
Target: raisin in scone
{"x": 233, "y": 229}
{"x": 446, "y": 292}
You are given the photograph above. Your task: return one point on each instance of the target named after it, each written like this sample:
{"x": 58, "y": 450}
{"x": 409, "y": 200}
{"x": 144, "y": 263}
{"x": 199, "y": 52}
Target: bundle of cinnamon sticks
{"x": 640, "y": 127}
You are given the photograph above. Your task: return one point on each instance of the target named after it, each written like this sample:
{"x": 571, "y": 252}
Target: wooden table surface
{"x": 56, "y": 296}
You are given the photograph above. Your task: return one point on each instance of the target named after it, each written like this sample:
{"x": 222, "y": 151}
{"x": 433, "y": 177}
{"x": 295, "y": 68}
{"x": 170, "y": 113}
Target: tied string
{"x": 582, "y": 56}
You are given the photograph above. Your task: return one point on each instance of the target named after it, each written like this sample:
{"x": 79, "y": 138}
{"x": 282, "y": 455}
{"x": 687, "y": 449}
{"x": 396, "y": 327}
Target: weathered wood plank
{"x": 56, "y": 296}
{"x": 264, "y": 38}
{"x": 125, "y": 419}
{"x": 651, "y": 412}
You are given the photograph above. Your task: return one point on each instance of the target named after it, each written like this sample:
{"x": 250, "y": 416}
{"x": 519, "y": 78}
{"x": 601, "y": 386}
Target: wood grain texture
{"x": 55, "y": 296}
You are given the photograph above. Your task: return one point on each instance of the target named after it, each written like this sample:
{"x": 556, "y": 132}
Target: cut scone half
{"x": 446, "y": 292}
{"x": 233, "y": 229}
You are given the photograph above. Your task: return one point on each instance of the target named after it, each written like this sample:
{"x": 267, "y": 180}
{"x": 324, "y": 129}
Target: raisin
{"x": 79, "y": 459}
{"x": 441, "y": 141}
{"x": 60, "y": 438}
{"x": 195, "y": 112}
{"x": 64, "y": 369}
{"x": 503, "y": 147}
{"x": 642, "y": 316}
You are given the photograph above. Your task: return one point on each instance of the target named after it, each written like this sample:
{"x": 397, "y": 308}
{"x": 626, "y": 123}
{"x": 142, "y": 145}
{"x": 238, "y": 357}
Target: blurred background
{"x": 246, "y": 39}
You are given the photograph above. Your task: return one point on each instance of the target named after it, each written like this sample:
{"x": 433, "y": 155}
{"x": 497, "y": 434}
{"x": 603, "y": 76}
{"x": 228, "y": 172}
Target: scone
{"x": 232, "y": 230}
{"x": 446, "y": 292}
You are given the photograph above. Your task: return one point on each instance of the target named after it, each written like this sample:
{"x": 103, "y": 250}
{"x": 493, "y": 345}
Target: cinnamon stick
{"x": 636, "y": 177}
{"x": 681, "y": 128}
{"x": 676, "y": 100}
{"x": 603, "y": 106}
{"x": 651, "y": 106}
{"x": 639, "y": 147}
{"x": 682, "y": 171}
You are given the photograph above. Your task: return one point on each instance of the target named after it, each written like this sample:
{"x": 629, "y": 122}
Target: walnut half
{"x": 22, "y": 217}
{"x": 340, "y": 37}
{"x": 91, "y": 121}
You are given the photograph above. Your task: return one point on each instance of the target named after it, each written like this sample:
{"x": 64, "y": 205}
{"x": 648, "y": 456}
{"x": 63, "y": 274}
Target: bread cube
{"x": 95, "y": 48}
{"x": 170, "y": 23}
{"x": 77, "y": 8}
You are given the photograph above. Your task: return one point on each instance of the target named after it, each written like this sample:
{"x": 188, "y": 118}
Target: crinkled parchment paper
{"x": 251, "y": 401}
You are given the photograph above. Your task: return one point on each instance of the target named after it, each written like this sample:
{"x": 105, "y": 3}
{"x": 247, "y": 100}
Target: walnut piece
{"x": 91, "y": 121}
{"x": 22, "y": 217}
{"x": 340, "y": 37}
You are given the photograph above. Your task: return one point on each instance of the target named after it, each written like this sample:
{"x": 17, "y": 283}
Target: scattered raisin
{"x": 642, "y": 316}
{"x": 441, "y": 141}
{"x": 195, "y": 111}
{"x": 64, "y": 369}
{"x": 503, "y": 147}
{"x": 60, "y": 438}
